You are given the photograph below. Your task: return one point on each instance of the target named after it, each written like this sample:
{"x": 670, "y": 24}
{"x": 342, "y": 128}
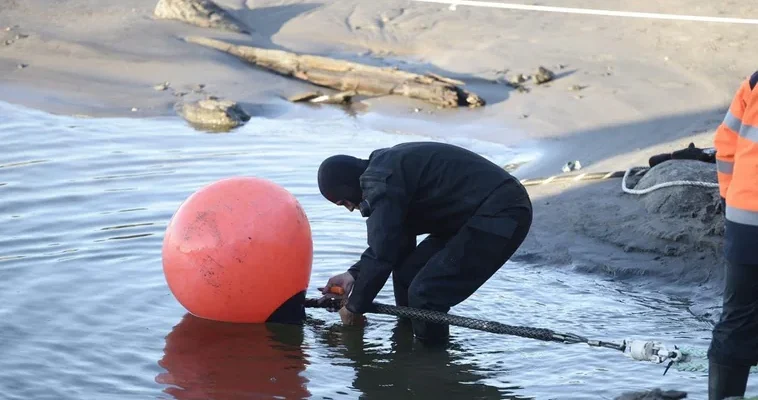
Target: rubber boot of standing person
{"x": 734, "y": 346}
{"x": 474, "y": 213}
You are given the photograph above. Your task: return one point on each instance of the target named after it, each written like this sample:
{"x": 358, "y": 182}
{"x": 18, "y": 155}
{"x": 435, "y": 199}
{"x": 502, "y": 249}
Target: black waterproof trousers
{"x": 444, "y": 271}
{"x": 735, "y": 336}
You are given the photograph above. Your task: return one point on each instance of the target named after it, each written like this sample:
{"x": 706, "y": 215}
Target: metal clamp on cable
{"x": 568, "y": 338}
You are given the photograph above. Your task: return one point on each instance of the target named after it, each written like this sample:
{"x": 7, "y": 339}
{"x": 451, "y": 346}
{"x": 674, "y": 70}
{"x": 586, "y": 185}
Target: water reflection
{"x": 408, "y": 369}
{"x": 214, "y": 360}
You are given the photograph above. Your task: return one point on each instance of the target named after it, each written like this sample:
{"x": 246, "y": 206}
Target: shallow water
{"x": 86, "y": 312}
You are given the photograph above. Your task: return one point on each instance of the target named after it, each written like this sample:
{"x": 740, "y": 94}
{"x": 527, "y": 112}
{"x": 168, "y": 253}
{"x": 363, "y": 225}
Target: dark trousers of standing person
{"x": 734, "y": 346}
{"x": 444, "y": 271}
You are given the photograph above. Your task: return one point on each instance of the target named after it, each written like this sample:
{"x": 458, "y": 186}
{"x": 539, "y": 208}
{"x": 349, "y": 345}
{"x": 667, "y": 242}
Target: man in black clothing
{"x": 476, "y": 216}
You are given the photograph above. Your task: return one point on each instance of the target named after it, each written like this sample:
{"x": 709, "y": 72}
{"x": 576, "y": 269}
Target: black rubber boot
{"x": 434, "y": 335}
{"x": 726, "y": 381}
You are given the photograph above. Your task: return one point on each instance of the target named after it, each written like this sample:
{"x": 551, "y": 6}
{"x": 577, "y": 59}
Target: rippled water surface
{"x": 85, "y": 312}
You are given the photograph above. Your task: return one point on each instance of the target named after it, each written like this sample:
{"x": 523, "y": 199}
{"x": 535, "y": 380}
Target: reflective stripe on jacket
{"x": 736, "y": 143}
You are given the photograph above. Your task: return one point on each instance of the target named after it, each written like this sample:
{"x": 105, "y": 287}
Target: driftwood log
{"x": 346, "y": 76}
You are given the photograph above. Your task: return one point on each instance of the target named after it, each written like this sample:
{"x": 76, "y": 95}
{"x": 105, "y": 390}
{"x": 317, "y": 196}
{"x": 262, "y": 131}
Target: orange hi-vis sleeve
{"x": 742, "y": 194}
{"x": 736, "y": 143}
{"x": 726, "y": 137}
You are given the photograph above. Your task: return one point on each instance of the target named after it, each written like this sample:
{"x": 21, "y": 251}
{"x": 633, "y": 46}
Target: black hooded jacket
{"x": 413, "y": 189}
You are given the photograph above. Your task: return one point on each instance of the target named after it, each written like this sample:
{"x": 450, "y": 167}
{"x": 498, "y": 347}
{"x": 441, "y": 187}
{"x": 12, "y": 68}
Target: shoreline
{"x": 647, "y": 87}
{"x": 625, "y": 90}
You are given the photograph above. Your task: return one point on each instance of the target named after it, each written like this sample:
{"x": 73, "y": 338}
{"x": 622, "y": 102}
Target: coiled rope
{"x": 698, "y": 361}
{"x": 661, "y": 185}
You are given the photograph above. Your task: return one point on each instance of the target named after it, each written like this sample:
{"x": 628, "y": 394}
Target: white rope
{"x": 662, "y": 185}
{"x": 589, "y": 11}
{"x": 697, "y": 361}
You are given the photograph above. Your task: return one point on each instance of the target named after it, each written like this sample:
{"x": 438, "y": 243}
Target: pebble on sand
{"x": 543, "y": 75}
{"x": 162, "y": 86}
{"x": 213, "y": 114}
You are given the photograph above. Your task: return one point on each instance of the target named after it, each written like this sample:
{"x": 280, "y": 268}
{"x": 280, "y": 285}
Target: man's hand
{"x": 343, "y": 281}
{"x": 350, "y": 319}
{"x": 337, "y": 287}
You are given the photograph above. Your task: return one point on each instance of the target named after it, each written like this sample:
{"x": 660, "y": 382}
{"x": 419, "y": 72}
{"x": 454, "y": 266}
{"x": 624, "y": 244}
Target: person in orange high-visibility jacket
{"x": 734, "y": 346}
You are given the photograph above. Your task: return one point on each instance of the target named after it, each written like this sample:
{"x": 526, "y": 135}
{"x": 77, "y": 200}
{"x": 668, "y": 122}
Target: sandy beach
{"x": 625, "y": 89}
{"x": 646, "y": 84}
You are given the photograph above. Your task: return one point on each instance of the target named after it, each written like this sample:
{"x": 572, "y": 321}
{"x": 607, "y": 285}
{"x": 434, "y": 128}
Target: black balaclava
{"x": 339, "y": 178}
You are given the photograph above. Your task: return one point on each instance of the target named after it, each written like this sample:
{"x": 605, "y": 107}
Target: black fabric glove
{"x": 694, "y": 153}
{"x": 657, "y": 159}
{"x": 689, "y": 153}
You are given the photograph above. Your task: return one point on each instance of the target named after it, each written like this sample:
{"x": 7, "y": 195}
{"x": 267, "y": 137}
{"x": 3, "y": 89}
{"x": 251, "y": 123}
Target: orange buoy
{"x": 238, "y": 250}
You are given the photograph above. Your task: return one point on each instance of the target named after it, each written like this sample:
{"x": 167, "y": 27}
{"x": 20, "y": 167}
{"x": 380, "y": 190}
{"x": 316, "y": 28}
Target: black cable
{"x": 482, "y": 325}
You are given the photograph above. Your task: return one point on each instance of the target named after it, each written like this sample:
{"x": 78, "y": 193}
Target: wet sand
{"x": 647, "y": 86}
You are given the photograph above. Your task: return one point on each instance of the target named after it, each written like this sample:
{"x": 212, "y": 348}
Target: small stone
{"x": 213, "y": 114}
{"x": 576, "y": 88}
{"x": 22, "y": 66}
{"x": 8, "y": 42}
{"x": 655, "y": 394}
{"x": 416, "y": 109}
{"x": 560, "y": 66}
{"x": 543, "y": 75}
{"x": 517, "y": 80}
{"x": 21, "y": 36}
{"x": 135, "y": 109}
{"x": 162, "y": 86}
{"x": 522, "y": 89}
{"x": 579, "y": 97}
{"x": 524, "y": 116}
